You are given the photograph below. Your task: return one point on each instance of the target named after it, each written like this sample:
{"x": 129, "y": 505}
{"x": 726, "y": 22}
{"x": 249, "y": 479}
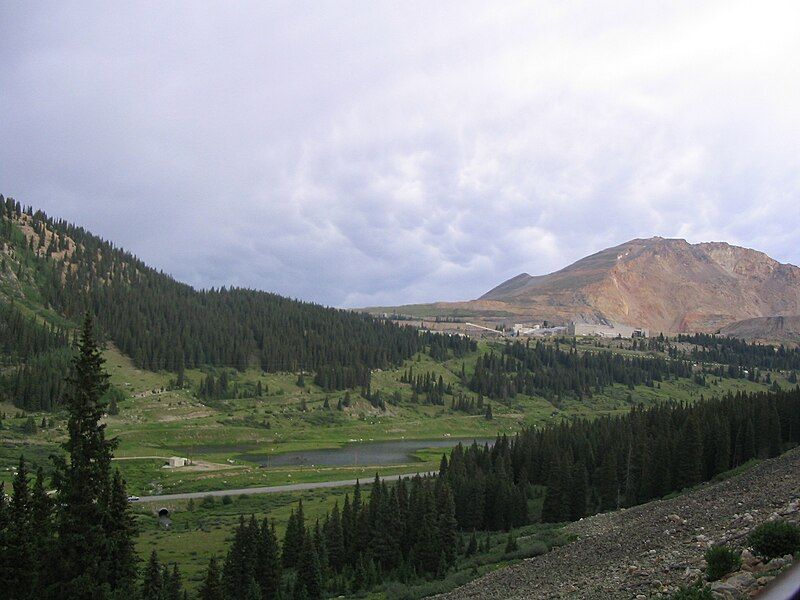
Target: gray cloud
{"x": 359, "y": 154}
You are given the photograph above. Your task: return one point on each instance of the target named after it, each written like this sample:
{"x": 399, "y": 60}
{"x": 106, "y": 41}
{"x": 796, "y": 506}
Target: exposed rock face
{"x": 784, "y": 329}
{"x": 650, "y": 550}
{"x": 662, "y": 284}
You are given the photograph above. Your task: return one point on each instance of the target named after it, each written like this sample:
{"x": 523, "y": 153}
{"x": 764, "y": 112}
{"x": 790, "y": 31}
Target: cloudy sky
{"x": 382, "y": 153}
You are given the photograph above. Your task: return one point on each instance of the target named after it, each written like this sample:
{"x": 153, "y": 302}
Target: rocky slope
{"x": 666, "y": 285}
{"x": 663, "y": 284}
{"x": 650, "y": 550}
{"x": 782, "y": 329}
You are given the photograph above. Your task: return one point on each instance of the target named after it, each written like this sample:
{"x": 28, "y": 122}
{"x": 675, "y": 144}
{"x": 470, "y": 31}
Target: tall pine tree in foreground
{"x": 93, "y": 554}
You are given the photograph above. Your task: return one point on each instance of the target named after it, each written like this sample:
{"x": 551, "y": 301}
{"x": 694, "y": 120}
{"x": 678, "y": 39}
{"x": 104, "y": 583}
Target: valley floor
{"x": 649, "y": 550}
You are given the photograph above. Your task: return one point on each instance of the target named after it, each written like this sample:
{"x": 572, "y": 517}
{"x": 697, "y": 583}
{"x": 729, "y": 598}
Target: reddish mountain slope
{"x": 663, "y": 284}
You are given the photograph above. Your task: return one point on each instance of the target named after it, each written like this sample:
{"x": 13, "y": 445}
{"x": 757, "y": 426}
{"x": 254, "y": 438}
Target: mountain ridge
{"x": 664, "y": 284}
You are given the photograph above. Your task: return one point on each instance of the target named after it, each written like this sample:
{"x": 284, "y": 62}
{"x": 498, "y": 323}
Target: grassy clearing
{"x": 154, "y": 423}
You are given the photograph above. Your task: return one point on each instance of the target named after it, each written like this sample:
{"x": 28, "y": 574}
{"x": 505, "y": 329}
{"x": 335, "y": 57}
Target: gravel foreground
{"x": 650, "y": 550}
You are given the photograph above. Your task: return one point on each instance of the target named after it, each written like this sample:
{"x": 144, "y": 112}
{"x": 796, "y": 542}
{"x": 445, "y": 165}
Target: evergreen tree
{"x": 173, "y": 584}
{"x": 608, "y": 483}
{"x": 211, "y": 588}
{"x": 153, "y": 579}
{"x": 268, "y": 564}
{"x": 83, "y": 485}
{"x": 119, "y": 558}
{"x": 308, "y": 582}
{"x": 20, "y": 550}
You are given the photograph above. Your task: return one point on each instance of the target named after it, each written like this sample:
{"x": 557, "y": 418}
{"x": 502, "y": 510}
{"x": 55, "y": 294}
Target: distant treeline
{"x": 552, "y": 372}
{"x": 737, "y": 352}
{"x": 591, "y": 466}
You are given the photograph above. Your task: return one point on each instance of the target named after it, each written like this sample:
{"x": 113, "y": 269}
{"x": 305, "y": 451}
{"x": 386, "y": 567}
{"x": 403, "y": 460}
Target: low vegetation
{"x": 721, "y": 560}
{"x": 775, "y": 539}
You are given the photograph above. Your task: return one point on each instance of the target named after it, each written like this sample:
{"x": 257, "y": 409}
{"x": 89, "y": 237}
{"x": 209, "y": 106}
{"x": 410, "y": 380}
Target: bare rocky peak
{"x": 660, "y": 283}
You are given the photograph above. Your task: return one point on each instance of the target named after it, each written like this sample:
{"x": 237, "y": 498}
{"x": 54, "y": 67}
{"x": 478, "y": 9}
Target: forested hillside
{"x": 52, "y": 267}
{"x": 414, "y": 528}
{"x": 550, "y": 371}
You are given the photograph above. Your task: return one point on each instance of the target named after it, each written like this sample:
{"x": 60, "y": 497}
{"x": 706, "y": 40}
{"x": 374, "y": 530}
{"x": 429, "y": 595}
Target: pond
{"x": 357, "y": 454}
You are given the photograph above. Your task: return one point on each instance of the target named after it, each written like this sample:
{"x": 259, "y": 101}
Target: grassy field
{"x": 154, "y": 423}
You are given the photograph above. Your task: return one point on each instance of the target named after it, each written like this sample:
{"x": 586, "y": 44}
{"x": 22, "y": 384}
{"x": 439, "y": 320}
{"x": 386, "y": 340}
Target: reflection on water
{"x": 357, "y": 454}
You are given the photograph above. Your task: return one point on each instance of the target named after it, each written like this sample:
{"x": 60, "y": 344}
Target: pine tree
{"x": 608, "y": 482}
{"x": 334, "y": 539}
{"x": 308, "y": 583}
{"x": 152, "y": 579}
{"x": 579, "y": 491}
{"x": 268, "y": 565}
{"x": 211, "y": 588}
{"x": 173, "y": 585}
{"x": 293, "y": 538}
{"x": 21, "y": 569}
{"x": 447, "y": 526}
{"x": 41, "y": 530}
{"x": 83, "y": 483}
{"x": 472, "y": 547}
{"x": 119, "y": 558}
{"x": 511, "y": 544}
{"x": 689, "y": 454}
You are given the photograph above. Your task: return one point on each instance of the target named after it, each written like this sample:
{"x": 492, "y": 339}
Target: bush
{"x": 695, "y": 592}
{"x": 775, "y": 539}
{"x": 535, "y": 549}
{"x": 227, "y": 500}
{"x": 208, "y": 502}
{"x": 721, "y": 560}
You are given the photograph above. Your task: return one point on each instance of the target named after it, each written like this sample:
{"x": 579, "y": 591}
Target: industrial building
{"x": 607, "y": 329}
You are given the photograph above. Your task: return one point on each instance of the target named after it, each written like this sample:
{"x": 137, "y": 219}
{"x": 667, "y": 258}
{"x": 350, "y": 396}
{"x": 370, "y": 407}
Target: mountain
{"x": 782, "y": 329}
{"x": 662, "y": 284}
{"x": 52, "y": 271}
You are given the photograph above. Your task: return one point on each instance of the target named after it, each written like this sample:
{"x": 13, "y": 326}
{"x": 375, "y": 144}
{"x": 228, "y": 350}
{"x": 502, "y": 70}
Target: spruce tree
{"x": 308, "y": 582}
{"x": 20, "y": 571}
{"x": 268, "y": 566}
{"x": 41, "y": 530}
{"x": 334, "y": 539}
{"x": 119, "y": 558}
{"x": 211, "y": 588}
{"x": 152, "y": 579}
{"x": 83, "y": 482}
{"x": 173, "y": 584}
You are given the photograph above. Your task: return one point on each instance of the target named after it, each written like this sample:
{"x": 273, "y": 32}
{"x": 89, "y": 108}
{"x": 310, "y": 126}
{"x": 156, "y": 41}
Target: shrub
{"x": 721, "y": 560}
{"x": 208, "y": 502}
{"x": 227, "y": 500}
{"x": 775, "y": 539}
{"x": 695, "y": 592}
{"x": 535, "y": 549}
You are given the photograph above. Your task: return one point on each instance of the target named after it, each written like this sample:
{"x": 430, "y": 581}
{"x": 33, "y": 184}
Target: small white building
{"x": 177, "y": 461}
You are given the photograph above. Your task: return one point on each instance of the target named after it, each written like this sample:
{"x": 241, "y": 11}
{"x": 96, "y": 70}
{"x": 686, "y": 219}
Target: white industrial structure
{"x": 608, "y": 329}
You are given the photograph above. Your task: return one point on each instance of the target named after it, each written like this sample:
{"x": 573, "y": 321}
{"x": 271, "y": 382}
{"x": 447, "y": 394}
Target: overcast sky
{"x": 384, "y": 153}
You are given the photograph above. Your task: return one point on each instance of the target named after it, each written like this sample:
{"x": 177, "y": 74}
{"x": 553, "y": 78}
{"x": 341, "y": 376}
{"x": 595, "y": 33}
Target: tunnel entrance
{"x": 163, "y": 513}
